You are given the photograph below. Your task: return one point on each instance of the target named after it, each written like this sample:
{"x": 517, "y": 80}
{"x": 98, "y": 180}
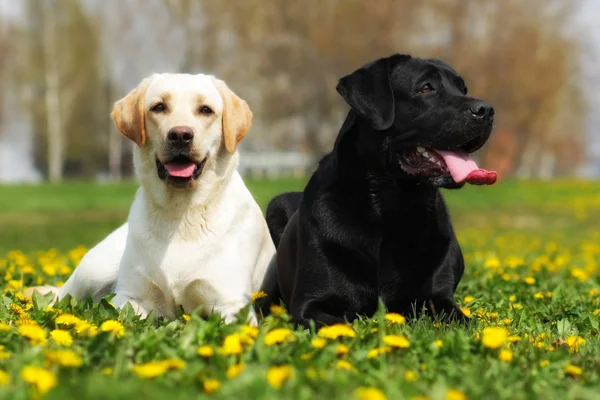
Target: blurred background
{"x": 63, "y": 63}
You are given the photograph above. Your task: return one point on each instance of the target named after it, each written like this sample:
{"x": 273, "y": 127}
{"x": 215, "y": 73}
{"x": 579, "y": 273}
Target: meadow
{"x": 531, "y": 289}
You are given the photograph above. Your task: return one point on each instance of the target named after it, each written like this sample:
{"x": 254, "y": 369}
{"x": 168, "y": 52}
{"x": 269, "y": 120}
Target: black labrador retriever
{"x": 371, "y": 223}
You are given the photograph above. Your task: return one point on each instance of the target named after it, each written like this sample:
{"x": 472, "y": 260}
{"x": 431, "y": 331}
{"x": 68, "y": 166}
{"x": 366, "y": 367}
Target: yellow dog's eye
{"x": 426, "y": 88}
{"x": 206, "y": 110}
{"x": 160, "y": 107}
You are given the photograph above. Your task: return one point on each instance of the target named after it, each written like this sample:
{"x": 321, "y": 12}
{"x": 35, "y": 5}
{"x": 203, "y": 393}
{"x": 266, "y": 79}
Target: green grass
{"x": 532, "y": 251}
{"x": 63, "y": 215}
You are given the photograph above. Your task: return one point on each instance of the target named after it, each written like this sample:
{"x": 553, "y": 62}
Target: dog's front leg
{"x": 121, "y": 300}
{"x": 317, "y": 310}
{"x": 225, "y": 297}
{"x": 446, "y": 309}
{"x": 229, "y": 310}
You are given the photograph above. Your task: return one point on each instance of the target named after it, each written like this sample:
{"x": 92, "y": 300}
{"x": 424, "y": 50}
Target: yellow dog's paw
{"x": 43, "y": 290}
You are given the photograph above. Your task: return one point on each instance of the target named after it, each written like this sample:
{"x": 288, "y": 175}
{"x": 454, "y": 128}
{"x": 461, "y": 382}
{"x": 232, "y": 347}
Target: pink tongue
{"x": 464, "y": 169}
{"x": 181, "y": 170}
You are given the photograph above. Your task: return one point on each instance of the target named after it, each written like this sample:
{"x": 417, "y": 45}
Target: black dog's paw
{"x": 447, "y": 311}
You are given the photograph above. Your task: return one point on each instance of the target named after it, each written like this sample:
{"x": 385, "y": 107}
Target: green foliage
{"x": 536, "y": 282}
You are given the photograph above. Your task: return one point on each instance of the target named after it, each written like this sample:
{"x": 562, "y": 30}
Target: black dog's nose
{"x": 180, "y": 136}
{"x": 482, "y": 109}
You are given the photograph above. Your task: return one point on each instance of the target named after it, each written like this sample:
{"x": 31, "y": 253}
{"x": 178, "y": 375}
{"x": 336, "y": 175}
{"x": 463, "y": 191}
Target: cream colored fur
{"x": 205, "y": 246}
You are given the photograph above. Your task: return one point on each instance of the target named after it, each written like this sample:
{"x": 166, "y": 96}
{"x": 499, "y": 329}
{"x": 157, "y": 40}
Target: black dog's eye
{"x": 206, "y": 110}
{"x": 465, "y": 90}
{"x": 426, "y": 88}
{"x": 160, "y": 107}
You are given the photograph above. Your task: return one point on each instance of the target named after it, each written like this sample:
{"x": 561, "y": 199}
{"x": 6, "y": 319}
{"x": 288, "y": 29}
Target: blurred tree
{"x": 63, "y": 73}
{"x": 515, "y": 54}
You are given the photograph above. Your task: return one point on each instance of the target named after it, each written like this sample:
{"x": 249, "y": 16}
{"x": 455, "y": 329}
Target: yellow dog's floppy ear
{"x": 237, "y": 116}
{"x": 128, "y": 114}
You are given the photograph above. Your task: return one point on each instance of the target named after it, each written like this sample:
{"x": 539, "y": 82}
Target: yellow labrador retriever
{"x": 195, "y": 237}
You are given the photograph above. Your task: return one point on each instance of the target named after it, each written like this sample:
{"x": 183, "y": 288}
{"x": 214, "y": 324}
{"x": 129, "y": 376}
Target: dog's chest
{"x": 409, "y": 257}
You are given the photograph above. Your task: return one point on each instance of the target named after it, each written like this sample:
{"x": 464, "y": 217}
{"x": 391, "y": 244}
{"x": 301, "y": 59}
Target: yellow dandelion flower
{"x": 33, "y": 332}
{"x": 342, "y": 349}
{"x": 410, "y": 376}
{"x": 516, "y": 306}
{"x": 107, "y": 371}
{"x": 512, "y": 298}
{"x": 395, "y": 318}
{"x": 369, "y": 393}
{"x": 469, "y": 299}
{"x": 25, "y": 320}
{"x": 377, "y": 351}
{"x": 438, "y": 343}
{"x": 115, "y": 327}
{"x": 86, "y": 328}
{"x": 4, "y": 378}
{"x": 397, "y": 341}
{"x": 574, "y": 342}
{"x": 4, "y": 327}
{"x": 580, "y": 274}
{"x": 544, "y": 363}
{"x": 276, "y": 376}
{"x": 234, "y": 370}
{"x": 514, "y": 338}
{"x": 67, "y": 320}
{"x": 174, "y": 364}
{"x": 596, "y": 312}
{"x": 491, "y": 315}
{"x": 466, "y": 311}
{"x": 13, "y": 285}
{"x": 65, "y": 358}
{"x": 494, "y": 338}
{"x": 548, "y": 295}
{"x": 346, "y": 365}
{"x": 186, "y": 317}
{"x": 205, "y": 351}
{"x": 211, "y": 386}
{"x": 538, "y": 295}
{"x": 454, "y": 394}
{"x": 573, "y": 370}
{"x": 231, "y": 345}
{"x": 22, "y": 298}
{"x": 150, "y": 369}
{"x": 258, "y": 295}
{"x": 250, "y": 331}
{"x": 530, "y": 280}
{"x": 61, "y": 337}
{"x": 307, "y": 356}
{"x": 505, "y": 355}
{"x": 318, "y": 343}
{"x": 17, "y": 309}
{"x": 336, "y": 331}
{"x": 41, "y": 378}
{"x": 4, "y": 355}
{"x": 277, "y": 310}
{"x": 492, "y": 262}
{"x": 277, "y": 336}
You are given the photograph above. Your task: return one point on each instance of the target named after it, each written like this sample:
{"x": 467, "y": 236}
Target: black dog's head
{"x": 428, "y": 124}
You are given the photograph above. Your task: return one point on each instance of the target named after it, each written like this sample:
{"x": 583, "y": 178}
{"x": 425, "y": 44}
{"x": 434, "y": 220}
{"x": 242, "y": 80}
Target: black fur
{"x": 365, "y": 229}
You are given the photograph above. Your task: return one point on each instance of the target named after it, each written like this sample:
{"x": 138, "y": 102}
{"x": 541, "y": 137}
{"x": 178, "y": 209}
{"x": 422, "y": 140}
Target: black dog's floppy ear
{"x": 369, "y": 92}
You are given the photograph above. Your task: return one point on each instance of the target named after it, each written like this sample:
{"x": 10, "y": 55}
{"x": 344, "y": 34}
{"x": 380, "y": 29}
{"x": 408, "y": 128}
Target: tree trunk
{"x": 55, "y": 135}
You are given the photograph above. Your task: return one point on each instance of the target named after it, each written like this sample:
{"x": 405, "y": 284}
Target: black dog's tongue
{"x": 464, "y": 169}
